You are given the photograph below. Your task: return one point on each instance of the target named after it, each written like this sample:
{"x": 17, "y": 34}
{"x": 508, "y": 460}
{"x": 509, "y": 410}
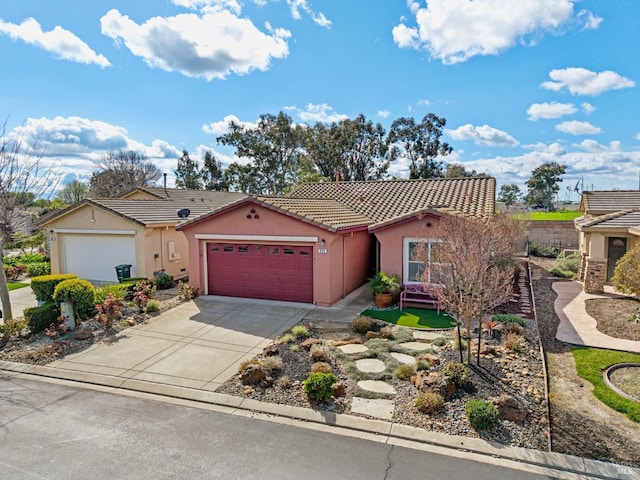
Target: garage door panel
{"x": 94, "y": 257}
{"x": 276, "y": 272}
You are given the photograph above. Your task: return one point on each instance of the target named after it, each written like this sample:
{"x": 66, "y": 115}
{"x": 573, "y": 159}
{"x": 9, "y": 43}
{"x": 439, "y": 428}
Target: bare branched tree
{"x": 24, "y": 176}
{"x": 470, "y": 266}
{"x": 119, "y": 172}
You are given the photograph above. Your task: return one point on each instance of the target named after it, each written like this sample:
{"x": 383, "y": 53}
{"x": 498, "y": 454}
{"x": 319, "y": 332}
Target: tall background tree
{"x": 420, "y": 143}
{"x": 73, "y": 192}
{"x": 23, "y": 177}
{"x": 509, "y": 194}
{"x": 274, "y": 146}
{"x": 473, "y": 265}
{"x": 457, "y": 170}
{"x": 118, "y": 173}
{"x": 188, "y": 176}
{"x": 213, "y": 174}
{"x": 543, "y": 185}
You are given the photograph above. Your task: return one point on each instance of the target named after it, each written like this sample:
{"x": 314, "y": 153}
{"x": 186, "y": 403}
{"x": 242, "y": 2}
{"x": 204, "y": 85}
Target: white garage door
{"x": 94, "y": 257}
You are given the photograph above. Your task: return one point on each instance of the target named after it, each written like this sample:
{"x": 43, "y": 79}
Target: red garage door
{"x": 273, "y": 272}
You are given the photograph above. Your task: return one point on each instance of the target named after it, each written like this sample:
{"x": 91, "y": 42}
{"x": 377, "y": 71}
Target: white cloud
{"x": 574, "y": 127}
{"x": 424, "y": 103}
{"x": 580, "y": 81}
{"x": 74, "y": 144}
{"x": 589, "y": 20}
{"x": 592, "y": 146}
{"x": 550, "y": 110}
{"x": 320, "y": 113}
{"x": 211, "y": 45}
{"x": 383, "y": 113}
{"x": 455, "y": 30}
{"x": 231, "y": 5}
{"x": 637, "y": 136}
{"x": 587, "y": 108}
{"x": 483, "y": 135}
{"x": 296, "y": 5}
{"x": 222, "y": 127}
{"x": 62, "y": 43}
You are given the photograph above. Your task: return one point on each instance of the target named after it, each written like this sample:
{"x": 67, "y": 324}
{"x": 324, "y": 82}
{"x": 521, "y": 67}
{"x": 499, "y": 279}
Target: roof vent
{"x": 184, "y": 213}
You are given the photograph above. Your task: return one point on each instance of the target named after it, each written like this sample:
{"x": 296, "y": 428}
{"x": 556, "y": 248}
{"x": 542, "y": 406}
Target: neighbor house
{"x": 321, "y": 241}
{"x": 92, "y": 237}
{"x": 610, "y": 226}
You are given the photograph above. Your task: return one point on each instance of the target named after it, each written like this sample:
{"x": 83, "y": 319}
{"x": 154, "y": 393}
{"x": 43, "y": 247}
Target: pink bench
{"x": 415, "y": 293}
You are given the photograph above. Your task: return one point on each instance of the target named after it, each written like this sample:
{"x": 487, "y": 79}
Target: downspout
{"x": 344, "y": 269}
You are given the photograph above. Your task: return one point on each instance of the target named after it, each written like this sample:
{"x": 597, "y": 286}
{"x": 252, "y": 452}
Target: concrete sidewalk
{"x": 22, "y": 298}
{"x": 577, "y": 326}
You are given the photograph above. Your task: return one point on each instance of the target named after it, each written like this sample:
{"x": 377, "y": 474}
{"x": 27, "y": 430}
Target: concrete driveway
{"x": 199, "y": 344}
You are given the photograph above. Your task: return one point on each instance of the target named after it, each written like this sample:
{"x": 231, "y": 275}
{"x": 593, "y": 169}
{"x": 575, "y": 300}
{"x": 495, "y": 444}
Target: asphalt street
{"x": 52, "y": 431}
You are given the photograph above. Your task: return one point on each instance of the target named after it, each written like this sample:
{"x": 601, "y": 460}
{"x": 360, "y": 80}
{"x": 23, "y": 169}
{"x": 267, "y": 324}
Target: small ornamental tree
{"x": 470, "y": 266}
{"x": 626, "y": 276}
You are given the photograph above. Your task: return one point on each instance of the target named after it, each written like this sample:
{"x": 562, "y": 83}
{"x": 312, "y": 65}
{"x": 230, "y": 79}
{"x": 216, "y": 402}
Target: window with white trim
{"x": 420, "y": 259}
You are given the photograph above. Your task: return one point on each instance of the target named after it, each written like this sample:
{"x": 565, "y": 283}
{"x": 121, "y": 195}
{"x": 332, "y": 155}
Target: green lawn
{"x": 16, "y": 285}
{"x": 561, "y": 215}
{"x": 591, "y": 362}
{"x": 425, "y": 318}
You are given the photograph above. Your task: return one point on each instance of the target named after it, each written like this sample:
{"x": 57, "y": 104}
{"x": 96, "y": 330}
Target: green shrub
{"x": 286, "y": 338}
{"x": 153, "y": 306}
{"x": 38, "y": 269}
{"x": 557, "y": 272}
{"x": 44, "y": 286}
{"x": 118, "y": 290}
{"x": 510, "y": 318}
{"x": 440, "y": 341}
{"x": 317, "y": 386}
{"x": 540, "y": 250}
{"x": 404, "y": 372}
{"x": 481, "y": 415}
{"x": 78, "y": 292}
{"x": 42, "y": 316}
{"x": 14, "y": 326}
{"x": 429, "y": 402}
{"x": 300, "y": 331}
{"x": 164, "y": 281}
{"x": 32, "y": 258}
{"x": 362, "y": 325}
{"x": 457, "y": 372}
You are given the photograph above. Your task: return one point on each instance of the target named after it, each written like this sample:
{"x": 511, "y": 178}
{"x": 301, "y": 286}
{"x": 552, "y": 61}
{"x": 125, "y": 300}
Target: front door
{"x": 617, "y": 248}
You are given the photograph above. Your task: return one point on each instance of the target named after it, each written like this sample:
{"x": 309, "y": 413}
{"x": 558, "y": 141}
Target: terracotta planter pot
{"x": 384, "y": 300}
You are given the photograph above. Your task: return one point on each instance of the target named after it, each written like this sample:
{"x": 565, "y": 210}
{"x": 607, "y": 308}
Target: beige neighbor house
{"x": 610, "y": 226}
{"x": 92, "y": 237}
{"x": 321, "y": 241}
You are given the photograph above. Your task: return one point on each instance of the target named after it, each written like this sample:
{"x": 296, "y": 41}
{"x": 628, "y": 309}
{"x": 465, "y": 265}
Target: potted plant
{"x": 384, "y": 287}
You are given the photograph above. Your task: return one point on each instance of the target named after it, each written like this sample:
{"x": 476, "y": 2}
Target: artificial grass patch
{"x": 16, "y": 285}
{"x": 590, "y": 364}
{"x": 413, "y": 317}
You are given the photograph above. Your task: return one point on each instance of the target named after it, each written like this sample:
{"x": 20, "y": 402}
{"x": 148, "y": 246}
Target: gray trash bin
{"x": 123, "y": 272}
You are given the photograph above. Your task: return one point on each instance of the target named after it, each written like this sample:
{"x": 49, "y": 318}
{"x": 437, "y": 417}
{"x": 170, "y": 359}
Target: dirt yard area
{"x": 580, "y": 423}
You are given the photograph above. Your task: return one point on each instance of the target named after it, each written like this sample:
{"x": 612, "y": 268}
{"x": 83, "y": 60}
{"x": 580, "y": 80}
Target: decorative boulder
{"x": 253, "y": 375}
{"x": 338, "y": 389}
{"x": 510, "y": 408}
{"x": 83, "y": 333}
{"x": 434, "y": 382}
{"x": 309, "y": 342}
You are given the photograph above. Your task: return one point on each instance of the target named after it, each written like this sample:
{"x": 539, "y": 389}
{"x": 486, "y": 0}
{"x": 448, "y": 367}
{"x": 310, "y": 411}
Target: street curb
{"x": 555, "y": 461}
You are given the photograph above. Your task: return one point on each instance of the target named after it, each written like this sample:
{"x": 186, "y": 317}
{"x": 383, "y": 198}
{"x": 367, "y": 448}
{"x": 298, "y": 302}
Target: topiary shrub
{"x": 42, "y": 316}
{"x": 44, "y": 286}
{"x": 429, "y": 402}
{"x": 38, "y": 269}
{"x": 80, "y": 293}
{"x": 317, "y": 386}
{"x": 481, "y": 415}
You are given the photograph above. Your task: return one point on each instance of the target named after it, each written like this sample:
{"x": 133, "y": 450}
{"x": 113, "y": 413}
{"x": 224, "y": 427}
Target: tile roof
{"x": 164, "y": 209}
{"x": 623, "y": 219}
{"x": 603, "y": 201}
{"x": 388, "y": 199}
{"x": 372, "y": 204}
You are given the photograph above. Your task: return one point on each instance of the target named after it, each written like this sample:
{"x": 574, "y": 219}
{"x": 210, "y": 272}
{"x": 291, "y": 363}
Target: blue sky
{"x": 520, "y": 83}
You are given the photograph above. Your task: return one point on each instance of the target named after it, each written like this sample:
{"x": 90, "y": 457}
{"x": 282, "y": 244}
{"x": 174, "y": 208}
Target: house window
{"x": 421, "y": 260}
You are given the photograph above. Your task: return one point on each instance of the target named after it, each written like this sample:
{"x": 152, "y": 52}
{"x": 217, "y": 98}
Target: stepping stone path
{"x": 429, "y": 336}
{"x": 417, "y": 346}
{"x": 403, "y": 358}
{"x": 370, "y": 365}
{"x": 334, "y": 331}
{"x": 377, "y": 386}
{"x": 352, "y": 348}
{"x": 373, "y": 407}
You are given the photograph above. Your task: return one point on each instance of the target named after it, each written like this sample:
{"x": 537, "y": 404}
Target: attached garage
{"x": 273, "y": 272}
{"x": 95, "y": 256}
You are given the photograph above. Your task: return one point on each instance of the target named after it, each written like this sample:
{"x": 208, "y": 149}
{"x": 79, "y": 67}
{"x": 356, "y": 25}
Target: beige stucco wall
{"x": 335, "y": 273}
{"x": 392, "y": 239}
{"x": 148, "y": 241}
